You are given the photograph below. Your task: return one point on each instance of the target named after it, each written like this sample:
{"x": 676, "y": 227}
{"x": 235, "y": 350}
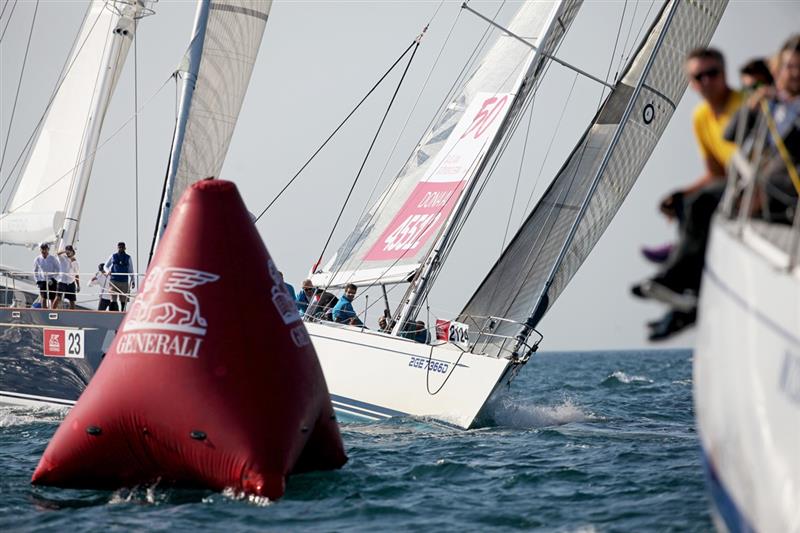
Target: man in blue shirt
{"x": 120, "y": 266}
{"x": 304, "y": 296}
{"x": 344, "y": 313}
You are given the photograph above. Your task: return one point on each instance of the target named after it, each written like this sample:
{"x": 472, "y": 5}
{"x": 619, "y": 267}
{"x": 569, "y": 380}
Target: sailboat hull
{"x": 371, "y": 376}
{"x": 747, "y": 382}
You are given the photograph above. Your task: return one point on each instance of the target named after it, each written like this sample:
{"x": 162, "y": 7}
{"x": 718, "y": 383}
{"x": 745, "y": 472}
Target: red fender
{"x": 212, "y": 380}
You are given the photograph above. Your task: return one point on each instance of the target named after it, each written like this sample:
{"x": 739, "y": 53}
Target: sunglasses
{"x": 710, "y": 74}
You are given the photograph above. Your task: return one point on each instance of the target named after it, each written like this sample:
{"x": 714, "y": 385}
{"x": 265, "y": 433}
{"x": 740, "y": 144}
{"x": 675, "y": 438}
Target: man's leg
{"x": 684, "y": 268}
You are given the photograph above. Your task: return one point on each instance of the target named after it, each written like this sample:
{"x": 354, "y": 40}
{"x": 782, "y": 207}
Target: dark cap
{"x": 69, "y": 248}
{"x": 120, "y": 244}
{"x": 101, "y": 266}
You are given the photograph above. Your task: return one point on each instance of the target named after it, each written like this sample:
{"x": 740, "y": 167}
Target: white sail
{"x": 394, "y": 238}
{"x": 216, "y": 73}
{"x": 578, "y": 206}
{"x": 49, "y": 196}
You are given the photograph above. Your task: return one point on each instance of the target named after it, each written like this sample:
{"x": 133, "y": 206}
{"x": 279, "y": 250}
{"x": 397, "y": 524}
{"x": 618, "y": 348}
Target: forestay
{"x": 393, "y": 239}
{"x": 55, "y": 176}
{"x": 216, "y": 72}
{"x": 579, "y": 204}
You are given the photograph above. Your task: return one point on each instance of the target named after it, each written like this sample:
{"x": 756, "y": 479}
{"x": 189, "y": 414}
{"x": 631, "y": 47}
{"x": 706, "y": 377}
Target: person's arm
{"x": 36, "y": 269}
{"x": 130, "y": 271}
{"x": 109, "y": 263}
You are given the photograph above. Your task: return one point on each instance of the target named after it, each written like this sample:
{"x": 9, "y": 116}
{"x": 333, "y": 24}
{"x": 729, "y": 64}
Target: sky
{"x": 316, "y": 61}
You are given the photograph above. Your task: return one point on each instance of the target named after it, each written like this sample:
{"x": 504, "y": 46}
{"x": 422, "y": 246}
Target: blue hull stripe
{"x": 734, "y": 520}
{"x": 364, "y": 409}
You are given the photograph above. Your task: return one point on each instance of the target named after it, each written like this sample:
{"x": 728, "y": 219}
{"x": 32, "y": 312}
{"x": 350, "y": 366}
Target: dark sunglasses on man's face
{"x": 710, "y": 74}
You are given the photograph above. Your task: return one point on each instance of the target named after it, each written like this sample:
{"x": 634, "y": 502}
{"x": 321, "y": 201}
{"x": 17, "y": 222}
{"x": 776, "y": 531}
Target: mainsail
{"x": 392, "y": 241}
{"x": 579, "y": 204}
{"x": 216, "y": 72}
{"x": 49, "y": 197}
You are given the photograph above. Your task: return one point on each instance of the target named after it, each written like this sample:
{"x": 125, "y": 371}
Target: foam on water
{"x": 618, "y": 376}
{"x": 25, "y": 416}
{"x": 507, "y": 412}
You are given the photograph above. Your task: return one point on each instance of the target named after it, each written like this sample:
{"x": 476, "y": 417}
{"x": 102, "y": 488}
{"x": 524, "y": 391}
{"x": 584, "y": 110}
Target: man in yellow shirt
{"x": 678, "y": 283}
{"x": 705, "y": 68}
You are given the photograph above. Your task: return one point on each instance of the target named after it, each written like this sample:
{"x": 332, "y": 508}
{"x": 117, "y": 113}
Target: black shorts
{"x": 67, "y": 290}
{"x": 50, "y": 286}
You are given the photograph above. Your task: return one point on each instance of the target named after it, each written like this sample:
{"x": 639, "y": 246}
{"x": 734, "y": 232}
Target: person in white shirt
{"x": 45, "y": 270}
{"x": 101, "y": 280}
{"x": 69, "y": 282}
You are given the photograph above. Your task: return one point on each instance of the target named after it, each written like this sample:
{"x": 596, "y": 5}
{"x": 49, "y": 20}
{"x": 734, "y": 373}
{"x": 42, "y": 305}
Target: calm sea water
{"x": 592, "y": 441}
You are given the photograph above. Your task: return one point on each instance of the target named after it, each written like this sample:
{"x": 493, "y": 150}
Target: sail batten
{"x": 554, "y": 240}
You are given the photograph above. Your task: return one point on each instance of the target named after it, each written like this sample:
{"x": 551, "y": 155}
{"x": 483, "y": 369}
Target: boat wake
{"x": 506, "y": 412}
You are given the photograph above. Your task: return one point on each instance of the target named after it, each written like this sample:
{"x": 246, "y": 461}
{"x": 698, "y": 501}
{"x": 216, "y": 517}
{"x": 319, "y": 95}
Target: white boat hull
{"x": 374, "y": 376}
{"x": 747, "y": 382}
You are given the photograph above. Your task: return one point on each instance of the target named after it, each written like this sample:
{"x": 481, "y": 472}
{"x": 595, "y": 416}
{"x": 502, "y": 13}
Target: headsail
{"x": 564, "y": 226}
{"x": 49, "y": 198}
{"x": 216, "y": 72}
{"x": 392, "y": 241}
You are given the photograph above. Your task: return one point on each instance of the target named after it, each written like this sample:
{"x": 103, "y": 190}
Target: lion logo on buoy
{"x": 154, "y": 308}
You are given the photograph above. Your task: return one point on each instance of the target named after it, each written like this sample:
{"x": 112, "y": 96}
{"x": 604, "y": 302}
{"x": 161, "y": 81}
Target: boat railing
{"x": 18, "y": 289}
{"x": 482, "y": 338}
{"x": 488, "y": 342}
{"x": 746, "y": 198}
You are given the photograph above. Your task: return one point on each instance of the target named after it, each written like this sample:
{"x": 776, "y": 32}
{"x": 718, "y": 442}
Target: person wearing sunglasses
{"x": 304, "y": 296}
{"x": 678, "y": 281}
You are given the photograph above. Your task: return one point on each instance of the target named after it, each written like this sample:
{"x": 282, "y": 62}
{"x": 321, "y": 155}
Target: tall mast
{"x": 542, "y": 302}
{"x": 188, "y": 72}
{"x": 129, "y": 11}
{"x": 421, "y": 285}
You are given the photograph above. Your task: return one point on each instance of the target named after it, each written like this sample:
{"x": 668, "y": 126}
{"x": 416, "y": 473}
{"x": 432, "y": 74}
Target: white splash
{"x": 508, "y": 413}
{"x": 11, "y": 416}
{"x": 622, "y": 377}
{"x": 259, "y": 501}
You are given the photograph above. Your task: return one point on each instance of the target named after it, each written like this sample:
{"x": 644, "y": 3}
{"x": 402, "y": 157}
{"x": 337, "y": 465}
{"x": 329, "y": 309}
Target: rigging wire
{"x": 627, "y": 38}
{"x": 641, "y": 27}
{"x": 614, "y": 52}
{"x": 519, "y": 174}
{"x": 8, "y": 22}
{"x": 335, "y": 131}
{"x": 369, "y": 151}
{"x": 2, "y": 11}
{"x": 19, "y": 85}
{"x": 65, "y": 69}
{"x": 550, "y": 145}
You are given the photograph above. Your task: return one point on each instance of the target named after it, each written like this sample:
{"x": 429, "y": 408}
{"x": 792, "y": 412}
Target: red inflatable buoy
{"x": 212, "y": 380}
